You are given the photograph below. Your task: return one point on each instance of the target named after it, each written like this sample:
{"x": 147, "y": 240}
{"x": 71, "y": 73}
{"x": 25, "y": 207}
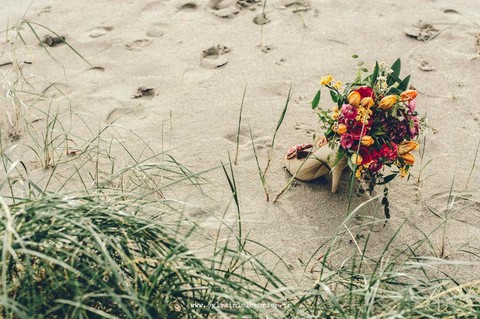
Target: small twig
{"x": 10, "y": 62}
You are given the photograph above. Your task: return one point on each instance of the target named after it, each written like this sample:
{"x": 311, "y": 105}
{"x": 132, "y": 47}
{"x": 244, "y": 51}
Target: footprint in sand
{"x": 303, "y": 127}
{"x": 157, "y": 11}
{"x": 245, "y": 140}
{"x": 213, "y": 57}
{"x": 260, "y": 143}
{"x": 138, "y": 45}
{"x": 294, "y": 5}
{"x": 280, "y": 88}
{"x": 99, "y": 31}
{"x": 223, "y": 8}
{"x": 94, "y": 33}
{"x": 188, "y": 5}
{"x": 196, "y": 75}
{"x": 244, "y": 133}
{"x": 157, "y": 30}
{"x": 44, "y": 10}
{"x": 261, "y": 19}
{"x": 123, "y": 112}
{"x": 144, "y": 92}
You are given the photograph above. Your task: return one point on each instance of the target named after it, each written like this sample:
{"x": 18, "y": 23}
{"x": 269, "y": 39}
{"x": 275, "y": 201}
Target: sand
{"x": 194, "y": 110}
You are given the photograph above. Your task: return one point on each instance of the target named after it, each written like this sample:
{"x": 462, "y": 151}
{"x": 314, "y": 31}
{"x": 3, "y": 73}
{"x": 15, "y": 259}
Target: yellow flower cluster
{"x": 326, "y": 80}
{"x": 403, "y": 171}
{"x": 363, "y": 106}
{"x": 363, "y": 114}
{"x": 359, "y": 171}
{"x": 336, "y": 113}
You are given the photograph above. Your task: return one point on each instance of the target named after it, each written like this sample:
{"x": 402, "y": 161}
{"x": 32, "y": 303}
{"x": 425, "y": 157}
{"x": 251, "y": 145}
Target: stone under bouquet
{"x": 372, "y": 128}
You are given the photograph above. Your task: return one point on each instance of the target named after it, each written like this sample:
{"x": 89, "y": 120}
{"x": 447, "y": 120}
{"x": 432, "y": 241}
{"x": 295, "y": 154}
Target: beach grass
{"x": 104, "y": 240}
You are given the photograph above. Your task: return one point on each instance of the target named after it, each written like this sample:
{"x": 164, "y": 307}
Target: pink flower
{"x": 412, "y": 105}
{"x": 346, "y": 140}
{"x": 349, "y": 112}
{"x": 413, "y": 127}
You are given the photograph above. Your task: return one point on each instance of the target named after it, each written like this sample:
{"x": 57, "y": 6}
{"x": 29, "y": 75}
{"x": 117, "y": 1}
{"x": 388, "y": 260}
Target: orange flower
{"x": 367, "y": 140}
{"x": 354, "y": 98}
{"x": 408, "y": 95}
{"x": 408, "y": 158}
{"x": 407, "y": 146}
{"x": 367, "y": 102}
{"x": 342, "y": 129}
{"x": 387, "y": 102}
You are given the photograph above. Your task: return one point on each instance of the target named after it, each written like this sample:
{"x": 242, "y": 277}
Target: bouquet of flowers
{"x": 374, "y": 124}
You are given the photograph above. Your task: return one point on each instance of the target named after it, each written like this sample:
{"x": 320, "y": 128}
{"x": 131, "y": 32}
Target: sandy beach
{"x": 193, "y": 112}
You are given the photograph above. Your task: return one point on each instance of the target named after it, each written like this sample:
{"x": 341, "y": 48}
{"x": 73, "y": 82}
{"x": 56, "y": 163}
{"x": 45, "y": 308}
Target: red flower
{"x": 357, "y": 129}
{"x": 389, "y": 152}
{"x": 375, "y": 166}
{"x": 365, "y": 152}
{"x": 366, "y": 91}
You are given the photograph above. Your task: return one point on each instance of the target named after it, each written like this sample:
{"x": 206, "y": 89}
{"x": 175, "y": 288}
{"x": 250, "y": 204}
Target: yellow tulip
{"x": 354, "y": 98}
{"x": 342, "y": 129}
{"x": 356, "y": 159}
{"x": 408, "y": 158}
{"x": 407, "y": 146}
{"x": 387, "y": 102}
{"x": 367, "y": 140}
{"x": 367, "y": 102}
{"x": 408, "y": 95}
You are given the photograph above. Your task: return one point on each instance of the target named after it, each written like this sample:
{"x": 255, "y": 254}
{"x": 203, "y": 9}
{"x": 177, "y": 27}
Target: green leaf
{"x": 351, "y": 165}
{"x": 355, "y": 56}
{"x": 404, "y": 84}
{"x": 396, "y": 66}
{"x": 334, "y": 96}
{"x": 394, "y": 90}
{"x": 316, "y": 100}
{"x": 341, "y": 153}
{"x": 387, "y": 179}
{"x": 374, "y": 75}
{"x": 329, "y": 133}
